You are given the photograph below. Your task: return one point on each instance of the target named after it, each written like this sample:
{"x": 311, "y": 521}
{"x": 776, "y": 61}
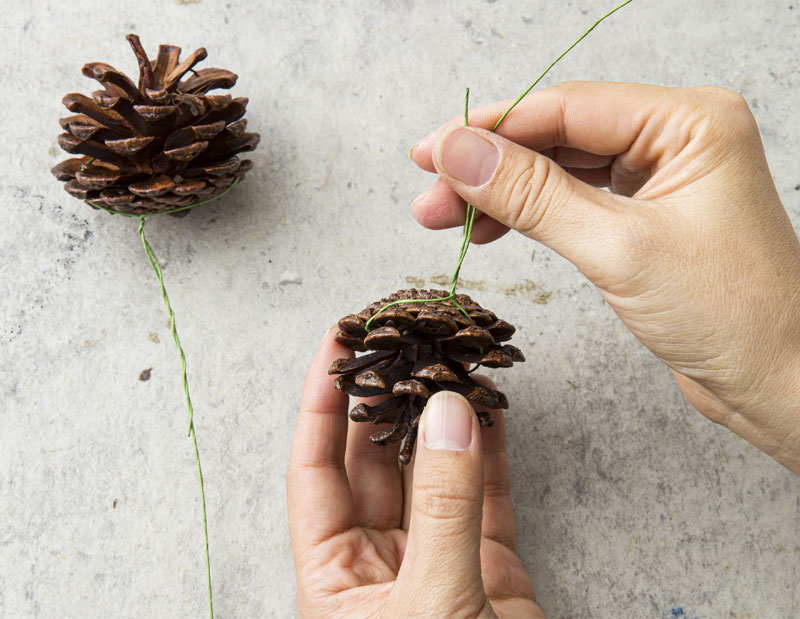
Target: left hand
{"x": 371, "y": 540}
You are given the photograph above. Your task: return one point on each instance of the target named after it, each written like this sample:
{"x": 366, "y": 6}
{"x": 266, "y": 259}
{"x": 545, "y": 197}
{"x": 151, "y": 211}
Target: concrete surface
{"x": 629, "y": 503}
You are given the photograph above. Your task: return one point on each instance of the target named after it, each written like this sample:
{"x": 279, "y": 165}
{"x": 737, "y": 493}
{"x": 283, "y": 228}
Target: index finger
{"x": 602, "y": 118}
{"x": 318, "y": 494}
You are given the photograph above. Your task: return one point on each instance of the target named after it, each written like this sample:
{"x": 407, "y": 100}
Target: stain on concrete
{"x": 290, "y": 278}
{"x": 415, "y": 282}
{"x": 526, "y": 289}
{"x": 443, "y": 280}
{"x": 529, "y": 290}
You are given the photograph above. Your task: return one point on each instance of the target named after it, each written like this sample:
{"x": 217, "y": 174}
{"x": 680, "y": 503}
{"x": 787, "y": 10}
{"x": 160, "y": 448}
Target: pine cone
{"x": 158, "y": 146}
{"x": 420, "y": 348}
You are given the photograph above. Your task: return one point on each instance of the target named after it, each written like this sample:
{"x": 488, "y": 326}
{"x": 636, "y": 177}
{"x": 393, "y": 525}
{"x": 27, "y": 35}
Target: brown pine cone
{"x": 419, "y": 349}
{"x": 158, "y": 145}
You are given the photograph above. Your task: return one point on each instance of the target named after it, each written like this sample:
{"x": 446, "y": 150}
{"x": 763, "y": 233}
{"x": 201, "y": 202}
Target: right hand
{"x": 692, "y": 248}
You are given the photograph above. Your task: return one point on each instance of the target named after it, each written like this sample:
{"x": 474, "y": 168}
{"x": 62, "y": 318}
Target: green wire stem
{"x": 470, "y": 215}
{"x": 464, "y": 247}
{"x": 151, "y": 256}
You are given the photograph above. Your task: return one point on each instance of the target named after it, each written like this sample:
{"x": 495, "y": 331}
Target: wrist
{"x": 764, "y": 412}
{"x": 767, "y": 413}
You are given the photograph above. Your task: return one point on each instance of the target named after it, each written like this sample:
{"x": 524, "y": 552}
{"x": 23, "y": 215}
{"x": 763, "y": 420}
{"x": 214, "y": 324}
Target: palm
{"x": 366, "y": 563}
{"x": 358, "y": 569}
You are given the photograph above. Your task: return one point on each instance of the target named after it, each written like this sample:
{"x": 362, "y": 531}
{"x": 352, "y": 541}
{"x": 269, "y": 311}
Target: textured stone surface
{"x": 629, "y": 503}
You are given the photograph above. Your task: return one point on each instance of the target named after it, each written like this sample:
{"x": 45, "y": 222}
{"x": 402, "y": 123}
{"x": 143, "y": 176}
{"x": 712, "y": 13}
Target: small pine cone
{"x": 158, "y": 146}
{"x": 419, "y": 349}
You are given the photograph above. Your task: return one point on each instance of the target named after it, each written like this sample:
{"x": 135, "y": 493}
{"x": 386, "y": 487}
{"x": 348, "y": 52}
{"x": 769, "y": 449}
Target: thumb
{"x": 528, "y": 192}
{"x": 441, "y": 568}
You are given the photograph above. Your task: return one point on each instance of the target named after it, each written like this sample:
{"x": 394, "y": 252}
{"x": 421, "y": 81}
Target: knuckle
{"x": 570, "y": 87}
{"x": 729, "y": 108}
{"x": 497, "y": 489}
{"x": 724, "y": 96}
{"x": 439, "y": 498}
{"x": 527, "y": 194}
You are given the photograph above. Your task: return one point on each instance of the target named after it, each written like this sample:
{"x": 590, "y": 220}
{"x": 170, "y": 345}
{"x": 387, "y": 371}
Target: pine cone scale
{"x": 173, "y": 77}
{"x": 81, "y": 104}
{"x": 117, "y": 84}
{"x": 359, "y": 363}
{"x": 209, "y": 79}
{"x": 96, "y": 178}
{"x": 129, "y": 147}
{"x": 154, "y": 113}
{"x": 167, "y": 59}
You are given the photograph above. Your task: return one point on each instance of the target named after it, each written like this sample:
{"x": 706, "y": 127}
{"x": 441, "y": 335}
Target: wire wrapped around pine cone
{"x": 419, "y": 349}
{"x": 159, "y": 145}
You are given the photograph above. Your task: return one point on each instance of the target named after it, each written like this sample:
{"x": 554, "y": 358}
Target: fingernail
{"x": 468, "y": 157}
{"x": 448, "y": 422}
{"x": 421, "y": 142}
{"x": 419, "y": 198}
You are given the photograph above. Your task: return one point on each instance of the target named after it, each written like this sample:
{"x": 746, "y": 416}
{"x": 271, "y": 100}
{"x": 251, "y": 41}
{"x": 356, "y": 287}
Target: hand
{"x": 370, "y": 541}
{"x": 692, "y": 248}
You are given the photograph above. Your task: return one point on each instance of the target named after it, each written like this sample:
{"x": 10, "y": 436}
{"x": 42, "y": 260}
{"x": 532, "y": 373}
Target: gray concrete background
{"x": 629, "y": 503}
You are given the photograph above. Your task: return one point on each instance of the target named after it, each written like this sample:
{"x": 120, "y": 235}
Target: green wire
{"x": 174, "y": 210}
{"x": 151, "y": 256}
{"x": 470, "y": 215}
{"x": 464, "y": 246}
{"x": 552, "y": 64}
